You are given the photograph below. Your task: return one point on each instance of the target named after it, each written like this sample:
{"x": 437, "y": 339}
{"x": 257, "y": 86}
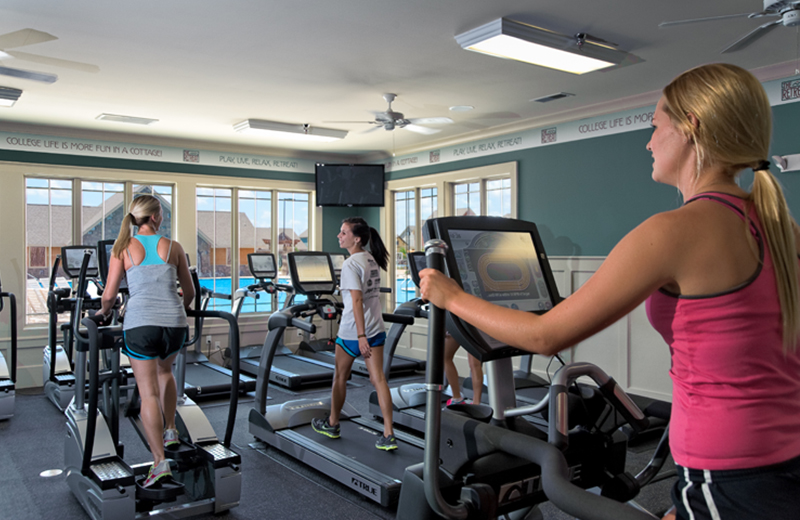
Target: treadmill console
{"x": 312, "y": 272}
{"x": 416, "y": 263}
{"x": 104, "y": 248}
{"x": 501, "y": 261}
{"x": 72, "y": 259}
{"x": 262, "y": 265}
{"x": 338, "y": 261}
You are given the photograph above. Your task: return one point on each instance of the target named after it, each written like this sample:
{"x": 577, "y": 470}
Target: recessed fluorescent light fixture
{"x": 552, "y": 97}
{"x": 126, "y": 119}
{"x": 303, "y": 132}
{"x": 577, "y": 54}
{"x": 9, "y": 96}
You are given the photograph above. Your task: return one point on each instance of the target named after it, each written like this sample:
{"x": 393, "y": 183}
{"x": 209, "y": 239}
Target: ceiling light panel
{"x": 522, "y": 42}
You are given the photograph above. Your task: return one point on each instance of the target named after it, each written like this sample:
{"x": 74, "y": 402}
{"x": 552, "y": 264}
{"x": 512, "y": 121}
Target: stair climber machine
{"x": 206, "y": 472}
{"x": 484, "y": 462}
{"x": 350, "y": 459}
{"x": 289, "y": 370}
{"x": 8, "y": 369}
{"x": 57, "y": 367}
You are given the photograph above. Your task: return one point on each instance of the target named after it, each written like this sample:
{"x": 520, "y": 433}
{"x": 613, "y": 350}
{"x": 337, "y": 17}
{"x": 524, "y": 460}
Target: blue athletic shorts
{"x": 765, "y": 492}
{"x": 351, "y": 345}
{"x": 151, "y": 342}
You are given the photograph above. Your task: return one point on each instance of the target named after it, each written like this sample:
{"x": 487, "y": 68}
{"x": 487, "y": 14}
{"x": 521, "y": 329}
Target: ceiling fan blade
{"x": 421, "y": 129}
{"x": 369, "y": 122}
{"x": 26, "y": 74}
{"x": 56, "y": 62}
{"x": 707, "y": 19}
{"x": 431, "y": 120}
{"x": 24, "y": 37}
{"x": 750, "y": 37}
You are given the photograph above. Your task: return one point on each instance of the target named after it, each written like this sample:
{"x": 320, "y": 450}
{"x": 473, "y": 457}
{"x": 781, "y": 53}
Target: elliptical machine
{"x": 207, "y": 473}
{"x": 57, "y": 368}
{"x": 8, "y": 371}
{"x": 481, "y": 462}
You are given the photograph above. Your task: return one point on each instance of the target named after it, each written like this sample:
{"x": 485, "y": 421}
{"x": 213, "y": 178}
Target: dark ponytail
{"x": 369, "y": 235}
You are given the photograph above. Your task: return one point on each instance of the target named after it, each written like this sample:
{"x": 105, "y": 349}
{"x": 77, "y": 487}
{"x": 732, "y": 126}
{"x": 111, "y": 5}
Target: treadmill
{"x": 351, "y": 459}
{"x": 205, "y": 379}
{"x": 325, "y": 349}
{"x": 290, "y": 370}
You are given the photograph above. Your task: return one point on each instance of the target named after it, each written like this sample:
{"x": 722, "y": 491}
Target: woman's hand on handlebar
{"x": 437, "y": 288}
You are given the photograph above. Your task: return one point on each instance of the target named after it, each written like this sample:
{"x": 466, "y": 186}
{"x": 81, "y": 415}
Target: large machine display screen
{"x": 501, "y": 267}
{"x": 73, "y": 259}
{"x": 312, "y": 268}
{"x": 338, "y": 262}
{"x": 262, "y": 266}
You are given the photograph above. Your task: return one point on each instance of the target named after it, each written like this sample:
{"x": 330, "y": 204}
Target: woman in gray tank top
{"x": 155, "y": 319}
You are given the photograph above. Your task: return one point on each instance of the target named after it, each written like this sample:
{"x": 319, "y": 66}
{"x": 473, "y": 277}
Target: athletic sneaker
{"x": 324, "y": 427}
{"x": 452, "y": 401}
{"x": 386, "y": 443}
{"x": 157, "y": 473}
{"x": 171, "y": 437}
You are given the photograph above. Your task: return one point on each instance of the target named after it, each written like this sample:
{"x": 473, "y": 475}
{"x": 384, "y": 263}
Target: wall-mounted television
{"x": 350, "y": 184}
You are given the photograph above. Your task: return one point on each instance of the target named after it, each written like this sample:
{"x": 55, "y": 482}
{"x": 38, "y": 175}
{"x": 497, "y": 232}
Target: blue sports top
{"x": 152, "y": 284}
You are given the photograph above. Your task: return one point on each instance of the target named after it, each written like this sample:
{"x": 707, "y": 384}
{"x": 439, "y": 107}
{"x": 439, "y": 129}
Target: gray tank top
{"x": 154, "y": 298}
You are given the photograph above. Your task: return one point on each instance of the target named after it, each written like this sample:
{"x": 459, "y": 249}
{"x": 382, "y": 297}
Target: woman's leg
{"x": 476, "y": 371}
{"x": 378, "y": 380}
{"x": 343, "y": 362}
{"x": 168, "y": 391}
{"x": 147, "y": 381}
{"x": 450, "y": 371}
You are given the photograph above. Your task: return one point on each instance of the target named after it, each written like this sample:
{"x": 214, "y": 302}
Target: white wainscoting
{"x": 630, "y": 350}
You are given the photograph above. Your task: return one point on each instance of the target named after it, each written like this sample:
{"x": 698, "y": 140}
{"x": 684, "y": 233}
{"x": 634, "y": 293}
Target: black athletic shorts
{"x": 150, "y": 342}
{"x": 771, "y": 492}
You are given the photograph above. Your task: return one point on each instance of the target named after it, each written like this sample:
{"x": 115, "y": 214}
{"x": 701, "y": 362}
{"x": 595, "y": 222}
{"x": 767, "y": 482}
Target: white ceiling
{"x": 201, "y": 66}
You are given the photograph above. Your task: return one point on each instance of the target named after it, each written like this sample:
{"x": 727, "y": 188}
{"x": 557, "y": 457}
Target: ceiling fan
{"x": 25, "y": 37}
{"x": 788, "y": 13}
{"x": 389, "y": 120}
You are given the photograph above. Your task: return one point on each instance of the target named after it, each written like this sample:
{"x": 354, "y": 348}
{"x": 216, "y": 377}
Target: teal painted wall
{"x": 586, "y": 195}
{"x": 332, "y": 221}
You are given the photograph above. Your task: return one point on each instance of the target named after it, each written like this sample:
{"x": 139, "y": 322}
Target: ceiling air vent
{"x": 552, "y": 97}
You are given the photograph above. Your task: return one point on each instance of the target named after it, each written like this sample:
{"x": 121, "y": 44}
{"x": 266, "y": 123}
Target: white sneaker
{"x": 171, "y": 437}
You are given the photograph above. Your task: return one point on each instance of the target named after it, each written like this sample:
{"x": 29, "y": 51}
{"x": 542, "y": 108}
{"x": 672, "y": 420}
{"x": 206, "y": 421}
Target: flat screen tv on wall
{"x": 349, "y": 184}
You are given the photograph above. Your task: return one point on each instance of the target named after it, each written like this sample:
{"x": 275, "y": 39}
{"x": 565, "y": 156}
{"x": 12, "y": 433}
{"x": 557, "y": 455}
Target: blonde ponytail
{"x": 778, "y": 225}
{"x": 139, "y": 212}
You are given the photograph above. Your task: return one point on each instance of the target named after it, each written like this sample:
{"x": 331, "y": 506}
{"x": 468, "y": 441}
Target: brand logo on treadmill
{"x": 302, "y": 406}
{"x": 363, "y": 486}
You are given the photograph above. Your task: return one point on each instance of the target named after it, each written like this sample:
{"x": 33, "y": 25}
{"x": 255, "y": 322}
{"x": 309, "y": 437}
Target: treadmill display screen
{"x": 262, "y": 265}
{"x": 338, "y": 261}
{"x": 72, "y": 258}
{"x": 501, "y": 267}
{"x": 311, "y": 272}
{"x": 313, "y": 268}
{"x": 416, "y": 263}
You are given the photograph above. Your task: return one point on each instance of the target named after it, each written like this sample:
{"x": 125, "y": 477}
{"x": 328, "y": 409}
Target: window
{"x": 255, "y": 236}
{"x": 214, "y": 228}
{"x": 486, "y": 190}
{"x": 467, "y": 198}
{"x": 292, "y": 228}
{"x": 48, "y": 227}
{"x": 164, "y": 194}
{"x": 498, "y": 197}
{"x": 102, "y": 210}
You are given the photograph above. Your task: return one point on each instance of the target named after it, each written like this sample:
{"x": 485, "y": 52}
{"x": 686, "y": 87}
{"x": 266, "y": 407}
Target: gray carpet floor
{"x": 273, "y": 484}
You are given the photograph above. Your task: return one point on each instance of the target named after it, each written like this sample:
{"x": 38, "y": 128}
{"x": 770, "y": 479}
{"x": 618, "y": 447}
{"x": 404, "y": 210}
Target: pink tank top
{"x": 736, "y": 395}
